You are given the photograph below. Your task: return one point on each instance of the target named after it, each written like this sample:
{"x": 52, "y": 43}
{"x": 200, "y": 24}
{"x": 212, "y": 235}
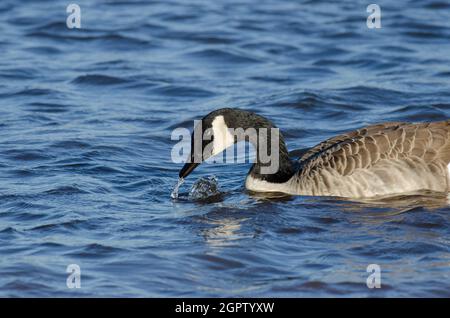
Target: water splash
{"x": 174, "y": 194}
{"x": 204, "y": 188}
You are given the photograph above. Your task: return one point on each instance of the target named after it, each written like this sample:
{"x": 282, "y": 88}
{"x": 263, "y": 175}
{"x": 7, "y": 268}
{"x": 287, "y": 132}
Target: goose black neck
{"x": 285, "y": 167}
{"x": 236, "y": 118}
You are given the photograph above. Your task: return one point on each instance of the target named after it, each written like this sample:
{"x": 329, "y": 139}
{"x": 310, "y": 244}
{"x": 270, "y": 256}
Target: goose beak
{"x": 187, "y": 169}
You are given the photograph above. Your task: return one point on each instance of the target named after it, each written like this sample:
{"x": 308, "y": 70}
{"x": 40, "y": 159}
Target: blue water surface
{"x": 85, "y": 146}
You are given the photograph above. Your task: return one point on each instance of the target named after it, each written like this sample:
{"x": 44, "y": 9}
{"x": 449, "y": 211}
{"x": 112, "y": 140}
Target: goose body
{"x": 378, "y": 160}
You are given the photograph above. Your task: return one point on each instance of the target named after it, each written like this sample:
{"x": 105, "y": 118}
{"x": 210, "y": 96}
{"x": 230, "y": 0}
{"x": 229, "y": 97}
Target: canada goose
{"x": 378, "y": 160}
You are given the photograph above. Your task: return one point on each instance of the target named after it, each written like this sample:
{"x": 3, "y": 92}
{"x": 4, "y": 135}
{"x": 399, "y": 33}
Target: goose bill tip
{"x": 187, "y": 169}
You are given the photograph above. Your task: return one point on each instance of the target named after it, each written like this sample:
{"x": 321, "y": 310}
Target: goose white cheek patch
{"x": 222, "y": 136}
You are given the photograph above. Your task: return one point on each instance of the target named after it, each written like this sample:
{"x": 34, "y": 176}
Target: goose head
{"x": 210, "y": 137}
{"x": 224, "y": 127}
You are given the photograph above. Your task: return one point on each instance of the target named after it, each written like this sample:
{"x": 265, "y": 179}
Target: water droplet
{"x": 204, "y": 187}
{"x": 174, "y": 194}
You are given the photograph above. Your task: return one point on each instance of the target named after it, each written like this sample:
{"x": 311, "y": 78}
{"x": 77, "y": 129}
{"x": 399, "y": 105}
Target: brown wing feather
{"x": 364, "y": 147}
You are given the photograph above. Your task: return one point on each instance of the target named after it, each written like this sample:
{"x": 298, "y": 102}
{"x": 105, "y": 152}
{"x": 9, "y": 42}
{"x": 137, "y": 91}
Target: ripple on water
{"x": 66, "y": 190}
{"x": 71, "y": 225}
{"x": 41, "y": 107}
{"x": 28, "y": 155}
{"x": 95, "y": 251}
{"x": 99, "y": 80}
{"x": 180, "y": 91}
{"x": 222, "y": 56}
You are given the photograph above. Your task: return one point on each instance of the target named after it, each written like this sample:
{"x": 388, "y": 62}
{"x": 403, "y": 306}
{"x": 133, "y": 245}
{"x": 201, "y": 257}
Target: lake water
{"x": 85, "y": 143}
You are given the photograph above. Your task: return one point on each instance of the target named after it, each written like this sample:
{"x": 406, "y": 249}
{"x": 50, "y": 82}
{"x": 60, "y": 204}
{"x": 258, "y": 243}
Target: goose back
{"x": 377, "y": 160}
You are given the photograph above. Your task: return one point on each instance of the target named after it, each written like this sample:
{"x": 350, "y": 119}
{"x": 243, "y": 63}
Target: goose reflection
{"x": 224, "y": 231}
